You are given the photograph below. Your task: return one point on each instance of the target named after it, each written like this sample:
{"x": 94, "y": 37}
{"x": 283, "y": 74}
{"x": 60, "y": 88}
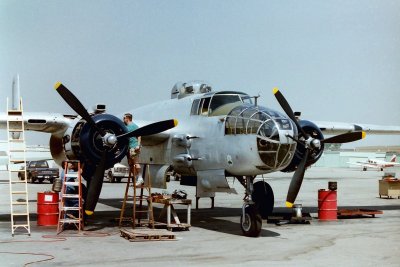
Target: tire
{"x": 21, "y": 176}
{"x": 41, "y": 180}
{"x": 118, "y": 179}
{"x": 51, "y": 180}
{"x": 251, "y": 225}
{"x": 263, "y": 196}
{"x": 31, "y": 179}
{"x": 110, "y": 177}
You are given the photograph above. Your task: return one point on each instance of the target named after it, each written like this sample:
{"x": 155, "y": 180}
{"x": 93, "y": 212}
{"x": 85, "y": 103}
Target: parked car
{"x": 39, "y": 170}
{"x": 117, "y": 172}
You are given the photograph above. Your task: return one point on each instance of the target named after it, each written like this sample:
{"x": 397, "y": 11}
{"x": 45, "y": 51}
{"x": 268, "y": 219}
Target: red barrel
{"x": 327, "y": 205}
{"x": 47, "y": 209}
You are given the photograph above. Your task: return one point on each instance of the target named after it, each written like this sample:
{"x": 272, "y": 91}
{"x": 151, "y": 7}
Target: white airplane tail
{"x": 393, "y": 159}
{"x": 15, "y": 105}
{"x": 15, "y": 93}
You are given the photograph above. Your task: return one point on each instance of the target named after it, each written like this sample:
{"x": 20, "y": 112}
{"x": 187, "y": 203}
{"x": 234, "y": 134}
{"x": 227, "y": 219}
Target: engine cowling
{"x": 313, "y": 130}
{"x": 84, "y": 143}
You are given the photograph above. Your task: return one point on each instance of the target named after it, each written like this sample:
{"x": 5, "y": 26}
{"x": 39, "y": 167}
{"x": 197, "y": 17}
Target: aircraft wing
{"x": 343, "y": 127}
{"x": 42, "y": 121}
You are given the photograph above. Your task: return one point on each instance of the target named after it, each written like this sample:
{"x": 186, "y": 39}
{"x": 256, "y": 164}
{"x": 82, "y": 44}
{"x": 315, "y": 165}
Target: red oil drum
{"x": 327, "y": 205}
{"x": 47, "y": 209}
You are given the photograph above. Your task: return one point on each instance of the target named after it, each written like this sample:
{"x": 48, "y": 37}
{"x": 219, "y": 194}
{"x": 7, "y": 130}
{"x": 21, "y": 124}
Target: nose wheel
{"x": 250, "y": 221}
{"x": 258, "y": 205}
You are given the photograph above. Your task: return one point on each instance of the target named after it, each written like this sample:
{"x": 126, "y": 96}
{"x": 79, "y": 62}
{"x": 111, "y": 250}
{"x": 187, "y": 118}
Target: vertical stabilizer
{"x": 393, "y": 159}
{"x": 16, "y": 104}
{"x": 15, "y": 93}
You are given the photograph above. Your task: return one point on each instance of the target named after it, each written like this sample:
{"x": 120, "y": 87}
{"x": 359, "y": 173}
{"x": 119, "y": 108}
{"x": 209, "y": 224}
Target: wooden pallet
{"x": 346, "y": 213}
{"x": 140, "y": 235}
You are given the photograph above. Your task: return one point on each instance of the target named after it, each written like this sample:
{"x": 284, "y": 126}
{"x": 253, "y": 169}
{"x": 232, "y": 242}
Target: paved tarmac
{"x": 215, "y": 238}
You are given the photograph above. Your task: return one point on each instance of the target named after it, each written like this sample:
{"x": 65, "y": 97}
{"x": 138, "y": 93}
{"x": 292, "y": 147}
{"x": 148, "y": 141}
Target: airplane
{"x": 376, "y": 163}
{"x": 220, "y": 134}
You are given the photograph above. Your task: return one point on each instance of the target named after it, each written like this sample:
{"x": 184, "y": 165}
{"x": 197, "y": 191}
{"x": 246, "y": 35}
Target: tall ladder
{"x": 138, "y": 199}
{"x": 70, "y": 181}
{"x": 18, "y": 183}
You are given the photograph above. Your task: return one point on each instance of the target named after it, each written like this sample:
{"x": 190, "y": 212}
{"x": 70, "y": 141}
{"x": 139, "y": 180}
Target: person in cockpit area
{"x": 134, "y": 148}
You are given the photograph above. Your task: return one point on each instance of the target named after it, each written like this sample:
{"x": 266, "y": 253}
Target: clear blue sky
{"x": 333, "y": 60}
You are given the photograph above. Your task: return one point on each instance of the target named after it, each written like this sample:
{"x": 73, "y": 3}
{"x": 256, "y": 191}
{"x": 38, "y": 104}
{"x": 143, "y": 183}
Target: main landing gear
{"x": 258, "y": 204}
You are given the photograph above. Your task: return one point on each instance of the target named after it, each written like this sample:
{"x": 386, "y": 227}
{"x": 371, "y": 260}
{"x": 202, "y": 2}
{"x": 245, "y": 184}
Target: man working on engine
{"x": 134, "y": 148}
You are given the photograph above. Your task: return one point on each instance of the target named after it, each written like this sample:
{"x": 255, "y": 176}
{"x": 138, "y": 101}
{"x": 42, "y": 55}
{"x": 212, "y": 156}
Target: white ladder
{"x": 16, "y": 172}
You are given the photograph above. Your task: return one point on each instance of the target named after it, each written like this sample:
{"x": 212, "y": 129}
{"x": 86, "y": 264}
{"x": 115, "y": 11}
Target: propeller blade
{"x": 76, "y": 105}
{"x": 288, "y": 110}
{"x": 345, "y": 138}
{"x": 95, "y": 185}
{"x": 296, "y": 182}
{"x": 150, "y": 129}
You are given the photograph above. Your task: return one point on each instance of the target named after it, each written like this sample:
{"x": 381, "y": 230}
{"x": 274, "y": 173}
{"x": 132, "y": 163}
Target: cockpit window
{"x": 218, "y": 104}
{"x": 204, "y": 103}
{"x": 195, "y": 107}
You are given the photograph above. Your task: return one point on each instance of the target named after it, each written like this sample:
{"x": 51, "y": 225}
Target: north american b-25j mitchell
{"x": 219, "y": 135}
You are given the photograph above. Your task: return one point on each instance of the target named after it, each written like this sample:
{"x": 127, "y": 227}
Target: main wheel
{"x": 252, "y": 222}
{"x": 263, "y": 196}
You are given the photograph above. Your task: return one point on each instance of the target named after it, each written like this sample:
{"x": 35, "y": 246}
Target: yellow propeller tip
{"x": 275, "y": 90}
{"x": 175, "y": 122}
{"x": 89, "y": 212}
{"x": 288, "y": 204}
{"x": 363, "y": 135}
{"x": 57, "y": 85}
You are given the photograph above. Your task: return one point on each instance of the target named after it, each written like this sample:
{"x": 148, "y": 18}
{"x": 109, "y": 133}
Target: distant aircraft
{"x": 376, "y": 163}
{"x": 220, "y": 134}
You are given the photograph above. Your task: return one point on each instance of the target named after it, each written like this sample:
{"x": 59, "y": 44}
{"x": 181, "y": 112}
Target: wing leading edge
{"x": 343, "y": 127}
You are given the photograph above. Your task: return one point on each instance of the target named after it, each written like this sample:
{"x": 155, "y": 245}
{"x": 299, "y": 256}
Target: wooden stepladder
{"x": 17, "y": 164}
{"x": 138, "y": 199}
{"x": 71, "y": 191}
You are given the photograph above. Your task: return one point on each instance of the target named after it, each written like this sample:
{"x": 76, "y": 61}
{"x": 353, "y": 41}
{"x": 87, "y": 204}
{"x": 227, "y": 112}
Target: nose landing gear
{"x": 258, "y": 204}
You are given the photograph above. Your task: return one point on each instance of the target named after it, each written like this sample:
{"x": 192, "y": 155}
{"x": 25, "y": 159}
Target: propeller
{"x": 311, "y": 144}
{"x": 156, "y": 127}
{"x": 76, "y": 105}
{"x": 95, "y": 185}
{"x": 109, "y": 140}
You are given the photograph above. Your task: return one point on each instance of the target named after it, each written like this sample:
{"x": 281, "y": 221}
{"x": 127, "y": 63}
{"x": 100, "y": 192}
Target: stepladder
{"x": 19, "y": 202}
{"x": 71, "y": 202}
{"x": 142, "y": 204}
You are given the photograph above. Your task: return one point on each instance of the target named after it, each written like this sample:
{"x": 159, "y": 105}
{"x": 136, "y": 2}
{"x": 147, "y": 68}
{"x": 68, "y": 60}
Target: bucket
{"x": 327, "y": 205}
{"x": 47, "y": 208}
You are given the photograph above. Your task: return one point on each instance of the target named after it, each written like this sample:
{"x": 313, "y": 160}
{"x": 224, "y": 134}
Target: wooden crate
{"x": 389, "y": 188}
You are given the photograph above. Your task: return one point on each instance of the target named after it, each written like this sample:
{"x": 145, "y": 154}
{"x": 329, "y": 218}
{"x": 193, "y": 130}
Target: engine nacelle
{"x": 313, "y": 130}
{"x": 83, "y": 142}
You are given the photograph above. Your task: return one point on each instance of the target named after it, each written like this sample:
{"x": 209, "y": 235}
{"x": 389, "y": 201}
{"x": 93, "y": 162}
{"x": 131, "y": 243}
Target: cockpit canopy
{"x": 220, "y": 103}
